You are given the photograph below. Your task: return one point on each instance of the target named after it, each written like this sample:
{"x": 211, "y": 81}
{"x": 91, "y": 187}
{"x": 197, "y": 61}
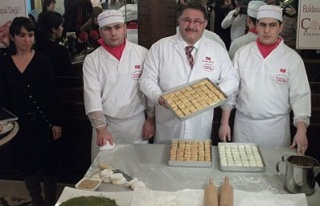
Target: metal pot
{"x": 300, "y": 174}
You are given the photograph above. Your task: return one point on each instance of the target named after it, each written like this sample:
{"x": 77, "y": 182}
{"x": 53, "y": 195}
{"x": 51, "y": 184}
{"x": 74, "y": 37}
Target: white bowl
{"x": 90, "y": 184}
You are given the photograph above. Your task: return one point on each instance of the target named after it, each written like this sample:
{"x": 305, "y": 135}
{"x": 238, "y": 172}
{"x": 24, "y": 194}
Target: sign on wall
{"x": 8, "y": 11}
{"x": 308, "y": 28}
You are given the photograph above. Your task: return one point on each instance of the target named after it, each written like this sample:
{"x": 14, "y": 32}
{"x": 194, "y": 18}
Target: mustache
{"x": 192, "y": 30}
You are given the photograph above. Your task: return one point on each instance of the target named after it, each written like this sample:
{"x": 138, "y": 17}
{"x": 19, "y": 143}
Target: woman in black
{"x": 26, "y": 89}
{"x": 49, "y": 31}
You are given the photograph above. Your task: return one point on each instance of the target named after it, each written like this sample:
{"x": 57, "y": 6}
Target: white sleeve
{"x": 97, "y": 119}
{"x": 91, "y": 86}
{"x": 229, "y": 81}
{"x": 149, "y": 83}
{"x": 227, "y": 21}
{"x": 300, "y": 94}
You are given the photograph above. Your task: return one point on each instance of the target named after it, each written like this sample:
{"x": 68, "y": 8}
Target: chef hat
{"x": 109, "y": 17}
{"x": 269, "y": 11}
{"x": 253, "y": 7}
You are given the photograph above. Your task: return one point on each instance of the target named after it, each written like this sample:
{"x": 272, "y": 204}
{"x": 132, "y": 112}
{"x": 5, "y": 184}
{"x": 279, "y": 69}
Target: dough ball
{"x": 131, "y": 182}
{"x": 120, "y": 181}
{"x": 96, "y": 176}
{"x": 138, "y": 185}
{"x": 116, "y": 176}
{"x": 105, "y": 175}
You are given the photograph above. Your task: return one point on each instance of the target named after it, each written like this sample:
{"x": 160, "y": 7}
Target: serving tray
{"x": 194, "y": 98}
{"x": 190, "y": 153}
{"x": 240, "y": 157}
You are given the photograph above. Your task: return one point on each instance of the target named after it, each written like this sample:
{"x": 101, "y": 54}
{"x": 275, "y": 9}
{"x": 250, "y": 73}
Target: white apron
{"x": 131, "y": 134}
{"x": 272, "y": 132}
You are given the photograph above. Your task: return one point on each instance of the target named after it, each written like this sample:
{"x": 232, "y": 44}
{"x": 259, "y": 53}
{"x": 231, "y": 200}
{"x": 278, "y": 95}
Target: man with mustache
{"x": 167, "y": 66}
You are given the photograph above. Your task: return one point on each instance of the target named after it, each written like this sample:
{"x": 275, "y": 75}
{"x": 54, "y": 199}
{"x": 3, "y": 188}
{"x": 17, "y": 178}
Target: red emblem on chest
{"x": 283, "y": 70}
{"x": 137, "y": 66}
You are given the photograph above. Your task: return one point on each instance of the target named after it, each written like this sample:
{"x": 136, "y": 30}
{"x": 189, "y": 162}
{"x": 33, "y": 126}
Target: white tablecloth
{"x": 148, "y": 162}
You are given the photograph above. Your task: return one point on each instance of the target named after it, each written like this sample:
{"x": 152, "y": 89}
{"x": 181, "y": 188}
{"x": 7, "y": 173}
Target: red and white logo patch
{"x": 137, "y": 66}
{"x": 281, "y": 79}
{"x": 136, "y": 75}
{"x": 208, "y": 67}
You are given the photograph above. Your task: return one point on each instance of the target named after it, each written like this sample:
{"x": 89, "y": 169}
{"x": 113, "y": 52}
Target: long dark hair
{"x": 15, "y": 28}
{"x": 50, "y": 20}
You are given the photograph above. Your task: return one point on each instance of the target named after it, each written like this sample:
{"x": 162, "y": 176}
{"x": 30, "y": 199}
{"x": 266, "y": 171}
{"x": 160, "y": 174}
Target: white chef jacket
{"x": 269, "y": 88}
{"x": 241, "y": 41}
{"x": 112, "y": 86}
{"x": 237, "y": 24}
{"x": 166, "y": 67}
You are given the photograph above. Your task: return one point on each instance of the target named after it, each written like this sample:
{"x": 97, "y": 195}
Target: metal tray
{"x": 191, "y": 99}
{"x": 240, "y": 157}
{"x": 191, "y": 163}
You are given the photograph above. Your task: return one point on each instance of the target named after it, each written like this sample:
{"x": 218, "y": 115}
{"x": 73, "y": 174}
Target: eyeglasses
{"x": 196, "y": 22}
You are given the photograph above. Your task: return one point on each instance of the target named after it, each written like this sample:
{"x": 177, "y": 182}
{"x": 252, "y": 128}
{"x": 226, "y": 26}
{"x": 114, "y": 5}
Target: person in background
{"x": 49, "y": 33}
{"x": 117, "y": 109}
{"x": 252, "y": 34}
{"x": 167, "y": 67}
{"x": 221, "y": 9}
{"x": 236, "y": 19}
{"x": 27, "y": 90}
{"x": 91, "y": 28}
{"x": 76, "y": 13}
{"x": 48, "y": 5}
{"x": 273, "y": 82}
{"x": 115, "y": 4}
{"x": 290, "y": 18}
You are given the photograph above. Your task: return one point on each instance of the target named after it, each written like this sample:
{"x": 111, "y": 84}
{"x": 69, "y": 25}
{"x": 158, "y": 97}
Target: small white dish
{"x": 7, "y": 127}
{"x": 90, "y": 184}
{"x": 108, "y": 146}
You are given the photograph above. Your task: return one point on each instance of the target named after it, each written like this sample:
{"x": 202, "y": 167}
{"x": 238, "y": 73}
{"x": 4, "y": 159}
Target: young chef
{"x": 273, "y": 82}
{"x": 113, "y": 102}
{"x": 167, "y": 66}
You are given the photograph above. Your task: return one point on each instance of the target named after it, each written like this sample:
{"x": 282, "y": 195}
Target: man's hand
{"x": 148, "y": 128}
{"x": 103, "y": 136}
{"x": 300, "y": 139}
{"x": 56, "y": 131}
{"x": 224, "y": 132}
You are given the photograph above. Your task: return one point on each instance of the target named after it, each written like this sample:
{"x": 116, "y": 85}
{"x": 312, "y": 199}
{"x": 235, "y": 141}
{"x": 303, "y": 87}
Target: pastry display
{"x": 193, "y": 98}
{"x": 240, "y": 157}
{"x": 190, "y": 153}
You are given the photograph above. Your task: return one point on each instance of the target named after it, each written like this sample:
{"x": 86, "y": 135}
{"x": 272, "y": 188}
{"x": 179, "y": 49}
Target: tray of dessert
{"x": 240, "y": 157}
{"x": 190, "y": 153}
{"x": 194, "y": 98}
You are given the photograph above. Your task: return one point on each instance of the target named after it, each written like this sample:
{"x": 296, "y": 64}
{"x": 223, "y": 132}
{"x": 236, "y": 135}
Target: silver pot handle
{"x": 277, "y": 166}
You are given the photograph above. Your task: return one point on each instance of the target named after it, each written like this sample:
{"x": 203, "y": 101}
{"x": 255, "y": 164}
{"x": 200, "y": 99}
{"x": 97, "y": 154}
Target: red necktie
{"x": 189, "y": 55}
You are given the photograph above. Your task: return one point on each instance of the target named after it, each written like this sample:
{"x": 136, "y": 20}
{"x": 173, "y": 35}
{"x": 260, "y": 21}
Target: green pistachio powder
{"x": 89, "y": 201}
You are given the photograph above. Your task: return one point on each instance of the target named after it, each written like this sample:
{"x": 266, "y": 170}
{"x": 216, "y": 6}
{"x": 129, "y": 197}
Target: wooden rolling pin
{"x": 226, "y": 193}
{"x": 210, "y": 194}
